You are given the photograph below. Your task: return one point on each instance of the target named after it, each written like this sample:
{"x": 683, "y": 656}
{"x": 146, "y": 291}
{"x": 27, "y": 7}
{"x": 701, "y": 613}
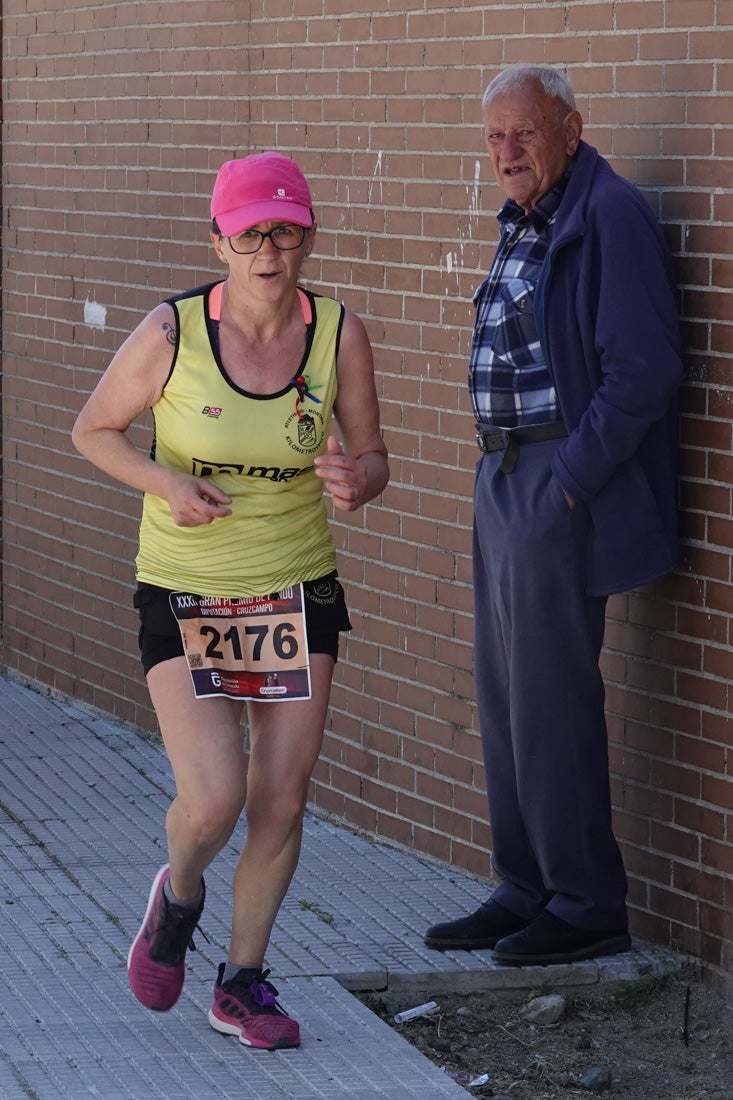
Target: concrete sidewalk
{"x": 82, "y": 806}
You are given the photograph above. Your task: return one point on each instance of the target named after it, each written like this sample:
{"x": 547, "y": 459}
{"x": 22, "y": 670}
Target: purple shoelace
{"x": 263, "y": 993}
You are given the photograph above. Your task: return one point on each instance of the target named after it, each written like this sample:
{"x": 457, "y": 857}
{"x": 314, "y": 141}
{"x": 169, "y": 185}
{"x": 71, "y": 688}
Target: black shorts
{"x": 159, "y": 638}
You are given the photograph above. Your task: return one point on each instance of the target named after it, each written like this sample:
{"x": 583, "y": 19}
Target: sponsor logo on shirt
{"x": 201, "y": 467}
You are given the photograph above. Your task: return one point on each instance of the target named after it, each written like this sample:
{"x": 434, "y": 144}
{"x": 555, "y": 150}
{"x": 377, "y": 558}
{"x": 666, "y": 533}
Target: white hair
{"x": 554, "y": 84}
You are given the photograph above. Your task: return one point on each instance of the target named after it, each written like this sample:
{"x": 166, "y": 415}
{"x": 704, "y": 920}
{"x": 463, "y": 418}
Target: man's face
{"x": 529, "y": 151}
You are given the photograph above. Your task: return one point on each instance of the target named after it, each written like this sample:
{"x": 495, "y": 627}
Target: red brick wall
{"x": 115, "y": 120}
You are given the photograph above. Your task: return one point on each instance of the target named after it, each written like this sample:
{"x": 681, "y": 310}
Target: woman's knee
{"x": 280, "y": 810}
{"x": 209, "y": 823}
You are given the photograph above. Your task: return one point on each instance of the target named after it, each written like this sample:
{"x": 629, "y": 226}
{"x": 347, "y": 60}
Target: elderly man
{"x": 574, "y": 369}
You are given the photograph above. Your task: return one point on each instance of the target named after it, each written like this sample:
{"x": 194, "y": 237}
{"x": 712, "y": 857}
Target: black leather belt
{"x": 509, "y": 440}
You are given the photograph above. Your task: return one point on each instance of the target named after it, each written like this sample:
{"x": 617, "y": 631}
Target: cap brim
{"x": 236, "y": 221}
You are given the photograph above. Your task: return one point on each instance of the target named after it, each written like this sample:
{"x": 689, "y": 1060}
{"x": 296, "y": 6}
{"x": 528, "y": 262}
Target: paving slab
{"x": 82, "y": 807}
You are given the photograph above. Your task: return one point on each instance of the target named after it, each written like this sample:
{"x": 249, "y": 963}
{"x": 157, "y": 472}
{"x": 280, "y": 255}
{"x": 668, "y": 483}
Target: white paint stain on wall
{"x": 377, "y": 177}
{"x": 472, "y": 190}
{"x": 95, "y": 315}
{"x": 473, "y": 208}
{"x": 454, "y": 261}
{"x": 344, "y": 208}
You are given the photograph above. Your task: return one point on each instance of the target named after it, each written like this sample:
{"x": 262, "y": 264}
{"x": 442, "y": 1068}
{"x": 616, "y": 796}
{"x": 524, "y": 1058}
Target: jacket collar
{"x": 572, "y": 214}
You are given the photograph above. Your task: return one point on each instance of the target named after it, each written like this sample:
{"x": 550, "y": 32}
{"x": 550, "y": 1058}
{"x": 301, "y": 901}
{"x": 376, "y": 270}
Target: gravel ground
{"x": 655, "y": 1039}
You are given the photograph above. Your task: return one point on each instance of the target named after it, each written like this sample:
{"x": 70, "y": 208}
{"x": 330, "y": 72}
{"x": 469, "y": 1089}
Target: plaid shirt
{"x": 508, "y": 378}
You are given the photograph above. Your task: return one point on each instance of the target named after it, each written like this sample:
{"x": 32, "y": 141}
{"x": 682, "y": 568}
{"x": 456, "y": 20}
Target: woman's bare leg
{"x": 285, "y": 740}
{"x": 205, "y": 745}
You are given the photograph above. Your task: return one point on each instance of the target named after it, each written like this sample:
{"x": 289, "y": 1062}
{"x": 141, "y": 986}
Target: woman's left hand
{"x": 345, "y": 478}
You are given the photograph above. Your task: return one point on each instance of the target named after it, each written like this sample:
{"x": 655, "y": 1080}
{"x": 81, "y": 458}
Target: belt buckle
{"x": 481, "y": 441}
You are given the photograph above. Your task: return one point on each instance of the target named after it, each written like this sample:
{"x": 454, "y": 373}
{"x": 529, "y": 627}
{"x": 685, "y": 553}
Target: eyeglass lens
{"x": 284, "y": 238}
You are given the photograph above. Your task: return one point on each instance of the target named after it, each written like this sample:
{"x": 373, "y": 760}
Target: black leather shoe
{"x": 483, "y": 928}
{"x": 548, "y": 940}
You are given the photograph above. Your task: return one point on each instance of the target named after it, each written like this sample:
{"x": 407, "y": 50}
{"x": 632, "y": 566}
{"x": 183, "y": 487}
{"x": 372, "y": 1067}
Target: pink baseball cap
{"x": 260, "y": 188}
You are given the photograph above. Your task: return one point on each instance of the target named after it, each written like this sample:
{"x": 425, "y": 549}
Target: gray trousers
{"x": 538, "y": 638}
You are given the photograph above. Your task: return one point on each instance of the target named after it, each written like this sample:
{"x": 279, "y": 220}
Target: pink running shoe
{"x": 156, "y": 962}
{"x": 246, "y": 1006}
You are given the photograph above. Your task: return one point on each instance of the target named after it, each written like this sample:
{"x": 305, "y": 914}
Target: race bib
{"x": 249, "y": 648}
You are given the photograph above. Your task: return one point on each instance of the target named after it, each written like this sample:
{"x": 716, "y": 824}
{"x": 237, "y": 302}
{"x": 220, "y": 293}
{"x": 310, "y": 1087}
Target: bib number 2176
{"x": 248, "y": 648}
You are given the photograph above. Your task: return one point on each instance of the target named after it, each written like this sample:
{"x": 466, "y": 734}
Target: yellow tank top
{"x": 258, "y": 449}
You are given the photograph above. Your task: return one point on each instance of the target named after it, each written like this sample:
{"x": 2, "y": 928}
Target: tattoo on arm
{"x": 170, "y": 333}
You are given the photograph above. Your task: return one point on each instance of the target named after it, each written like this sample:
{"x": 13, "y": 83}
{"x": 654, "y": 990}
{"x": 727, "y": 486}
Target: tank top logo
{"x": 307, "y": 431}
{"x": 303, "y": 432}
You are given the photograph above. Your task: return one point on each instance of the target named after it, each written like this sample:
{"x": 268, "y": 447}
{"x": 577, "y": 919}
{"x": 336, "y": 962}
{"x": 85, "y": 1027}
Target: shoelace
{"x": 255, "y": 991}
{"x": 263, "y": 992}
{"x": 175, "y": 933}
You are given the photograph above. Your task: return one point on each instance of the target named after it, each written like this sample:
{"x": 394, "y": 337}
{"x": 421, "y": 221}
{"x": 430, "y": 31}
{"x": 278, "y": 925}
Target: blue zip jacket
{"x": 606, "y": 311}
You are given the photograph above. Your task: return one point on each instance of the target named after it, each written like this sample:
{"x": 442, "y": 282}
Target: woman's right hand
{"x": 195, "y": 502}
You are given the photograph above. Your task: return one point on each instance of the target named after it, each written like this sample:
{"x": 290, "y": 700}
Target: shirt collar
{"x": 512, "y": 215}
